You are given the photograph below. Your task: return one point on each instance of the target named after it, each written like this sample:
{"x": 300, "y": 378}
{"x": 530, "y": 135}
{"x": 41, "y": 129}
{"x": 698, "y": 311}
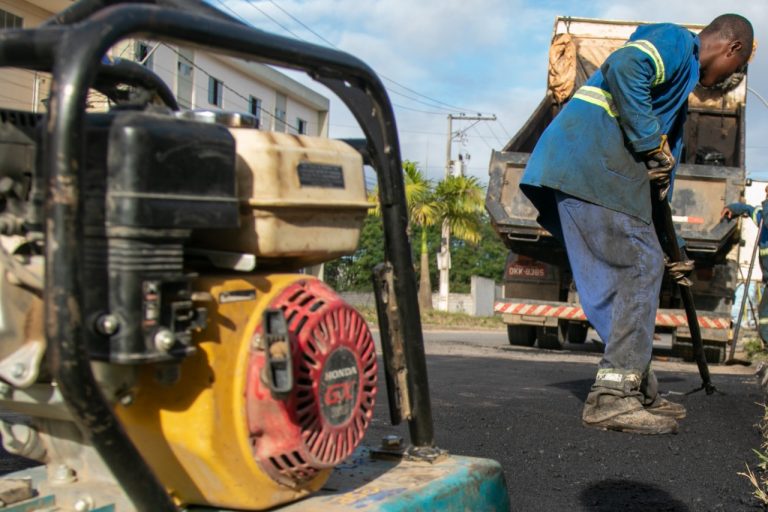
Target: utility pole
{"x": 444, "y": 256}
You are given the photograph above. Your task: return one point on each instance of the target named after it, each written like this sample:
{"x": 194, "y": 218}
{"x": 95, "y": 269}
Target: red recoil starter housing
{"x": 323, "y": 418}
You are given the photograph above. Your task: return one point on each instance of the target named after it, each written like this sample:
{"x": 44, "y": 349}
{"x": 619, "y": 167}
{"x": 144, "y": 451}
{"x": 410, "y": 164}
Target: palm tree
{"x": 456, "y": 202}
{"x": 461, "y": 206}
{"x": 423, "y": 211}
{"x": 463, "y": 202}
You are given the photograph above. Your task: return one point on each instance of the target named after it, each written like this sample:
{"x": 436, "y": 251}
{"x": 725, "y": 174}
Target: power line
{"x": 253, "y": 4}
{"x": 482, "y": 138}
{"x": 417, "y": 110}
{"x": 433, "y": 100}
{"x": 490, "y": 128}
{"x": 297, "y": 20}
{"x": 504, "y": 128}
{"x": 247, "y": 100}
{"x": 436, "y": 134}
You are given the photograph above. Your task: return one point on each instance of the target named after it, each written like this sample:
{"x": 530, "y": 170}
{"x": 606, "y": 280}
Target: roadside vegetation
{"x": 757, "y": 353}
{"x": 755, "y": 350}
{"x": 441, "y": 320}
{"x": 759, "y": 477}
{"x": 475, "y": 248}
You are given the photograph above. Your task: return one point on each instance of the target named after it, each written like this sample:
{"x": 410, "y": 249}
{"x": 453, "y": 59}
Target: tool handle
{"x": 745, "y": 293}
{"x": 663, "y": 218}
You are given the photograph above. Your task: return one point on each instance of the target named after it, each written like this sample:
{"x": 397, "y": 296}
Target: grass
{"x": 442, "y": 320}
{"x": 755, "y": 350}
{"x": 759, "y": 477}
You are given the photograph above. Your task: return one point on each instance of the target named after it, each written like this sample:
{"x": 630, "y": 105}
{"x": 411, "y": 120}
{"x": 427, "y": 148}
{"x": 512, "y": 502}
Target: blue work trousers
{"x": 617, "y": 265}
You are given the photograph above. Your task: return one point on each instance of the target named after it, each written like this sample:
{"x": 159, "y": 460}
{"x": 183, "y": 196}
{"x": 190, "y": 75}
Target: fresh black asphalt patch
{"x": 527, "y": 415}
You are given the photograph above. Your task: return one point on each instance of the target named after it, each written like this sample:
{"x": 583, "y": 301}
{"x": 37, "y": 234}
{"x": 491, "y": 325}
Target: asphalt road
{"x": 522, "y": 407}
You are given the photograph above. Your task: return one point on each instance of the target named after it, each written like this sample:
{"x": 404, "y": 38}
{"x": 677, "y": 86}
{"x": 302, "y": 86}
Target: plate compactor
{"x": 160, "y": 348}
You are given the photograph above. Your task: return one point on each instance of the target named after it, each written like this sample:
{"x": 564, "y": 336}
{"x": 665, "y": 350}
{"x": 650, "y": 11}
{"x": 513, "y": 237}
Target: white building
{"x": 754, "y": 195}
{"x": 200, "y": 80}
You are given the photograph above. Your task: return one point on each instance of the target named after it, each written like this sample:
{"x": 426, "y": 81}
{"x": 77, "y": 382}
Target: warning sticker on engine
{"x": 338, "y": 386}
{"x": 320, "y": 175}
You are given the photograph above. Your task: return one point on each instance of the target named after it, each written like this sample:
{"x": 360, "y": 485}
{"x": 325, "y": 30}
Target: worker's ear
{"x": 734, "y": 48}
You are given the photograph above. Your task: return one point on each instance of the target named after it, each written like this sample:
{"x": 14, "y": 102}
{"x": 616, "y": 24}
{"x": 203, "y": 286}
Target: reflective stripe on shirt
{"x": 763, "y": 251}
{"x": 599, "y": 97}
{"x": 647, "y": 47}
{"x": 754, "y": 214}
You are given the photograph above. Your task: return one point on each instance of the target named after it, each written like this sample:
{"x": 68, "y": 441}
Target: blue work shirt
{"x": 595, "y": 148}
{"x": 756, "y": 214}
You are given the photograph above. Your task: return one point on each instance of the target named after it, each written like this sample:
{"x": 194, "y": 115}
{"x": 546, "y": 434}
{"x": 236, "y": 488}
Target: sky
{"x": 479, "y": 56}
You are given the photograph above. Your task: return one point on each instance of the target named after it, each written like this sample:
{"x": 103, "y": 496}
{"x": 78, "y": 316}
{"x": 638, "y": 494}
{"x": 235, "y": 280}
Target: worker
{"x": 756, "y": 214}
{"x": 590, "y": 178}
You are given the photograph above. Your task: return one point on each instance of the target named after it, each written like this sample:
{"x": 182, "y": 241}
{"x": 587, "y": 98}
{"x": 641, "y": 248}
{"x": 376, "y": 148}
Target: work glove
{"x": 679, "y": 271}
{"x": 727, "y": 214}
{"x": 660, "y": 163}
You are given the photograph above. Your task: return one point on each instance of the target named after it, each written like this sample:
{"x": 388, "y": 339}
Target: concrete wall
{"x": 477, "y": 303}
{"x": 484, "y": 295}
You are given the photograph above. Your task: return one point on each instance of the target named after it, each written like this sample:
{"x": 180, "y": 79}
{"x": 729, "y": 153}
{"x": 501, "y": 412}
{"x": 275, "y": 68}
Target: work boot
{"x": 653, "y": 402}
{"x": 624, "y": 414}
{"x": 616, "y": 403}
{"x": 663, "y": 407}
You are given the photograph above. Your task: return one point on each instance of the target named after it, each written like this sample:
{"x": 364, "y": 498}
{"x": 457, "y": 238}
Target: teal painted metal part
{"x": 365, "y": 483}
{"x": 380, "y": 482}
{"x": 31, "y": 504}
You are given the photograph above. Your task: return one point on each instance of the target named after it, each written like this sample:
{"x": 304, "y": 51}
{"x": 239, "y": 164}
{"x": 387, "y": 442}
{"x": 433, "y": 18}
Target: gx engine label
{"x": 339, "y": 384}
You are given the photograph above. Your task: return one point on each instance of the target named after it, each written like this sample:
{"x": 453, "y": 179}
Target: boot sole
{"x": 667, "y": 414}
{"x": 631, "y": 430}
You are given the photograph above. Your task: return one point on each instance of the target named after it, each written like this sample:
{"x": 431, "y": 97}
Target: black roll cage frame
{"x": 71, "y": 45}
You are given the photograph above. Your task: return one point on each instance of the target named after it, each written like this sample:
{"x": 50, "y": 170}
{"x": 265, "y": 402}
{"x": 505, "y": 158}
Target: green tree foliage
{"x": 475, "y": 248}
{"x": 461, "y": 200}
{"x": 353, "y": 272}
{"x": 486, "y": 259}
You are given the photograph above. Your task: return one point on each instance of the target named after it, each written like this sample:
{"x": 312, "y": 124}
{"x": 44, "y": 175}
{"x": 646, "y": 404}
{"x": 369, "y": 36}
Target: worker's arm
{"x": 742, "y": 209}
{"x": 630, "y": 73}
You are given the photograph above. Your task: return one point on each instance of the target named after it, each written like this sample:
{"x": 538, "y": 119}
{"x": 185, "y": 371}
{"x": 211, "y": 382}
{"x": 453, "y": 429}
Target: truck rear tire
{"x": 521, "y": 335}
{"x": 577, "y": 332}
{"x": 550, "y": 338}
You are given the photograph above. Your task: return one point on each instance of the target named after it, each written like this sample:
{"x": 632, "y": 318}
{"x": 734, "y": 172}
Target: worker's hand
{"x": 727, "y": 213}
{"x": 660, "y": 163}
{"x": 679, "y": 271}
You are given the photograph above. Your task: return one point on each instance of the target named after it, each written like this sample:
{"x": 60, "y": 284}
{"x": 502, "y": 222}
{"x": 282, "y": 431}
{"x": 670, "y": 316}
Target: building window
{"x": 8, "y": 20}
{"x": 281, "y": 108}
{"x": 215, "y": 91}
{"x": 280, "y": 116}
{"x": 301, "y": 126}
{"x": 143, "y": 54}
{"x": 185, "y": 77}
{"x": 254, "y": 108}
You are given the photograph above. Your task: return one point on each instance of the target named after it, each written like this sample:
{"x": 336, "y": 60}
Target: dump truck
{"x": 541, "y": 303}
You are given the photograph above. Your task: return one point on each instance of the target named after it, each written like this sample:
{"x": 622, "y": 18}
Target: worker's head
{"x": 726, "y": 46}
